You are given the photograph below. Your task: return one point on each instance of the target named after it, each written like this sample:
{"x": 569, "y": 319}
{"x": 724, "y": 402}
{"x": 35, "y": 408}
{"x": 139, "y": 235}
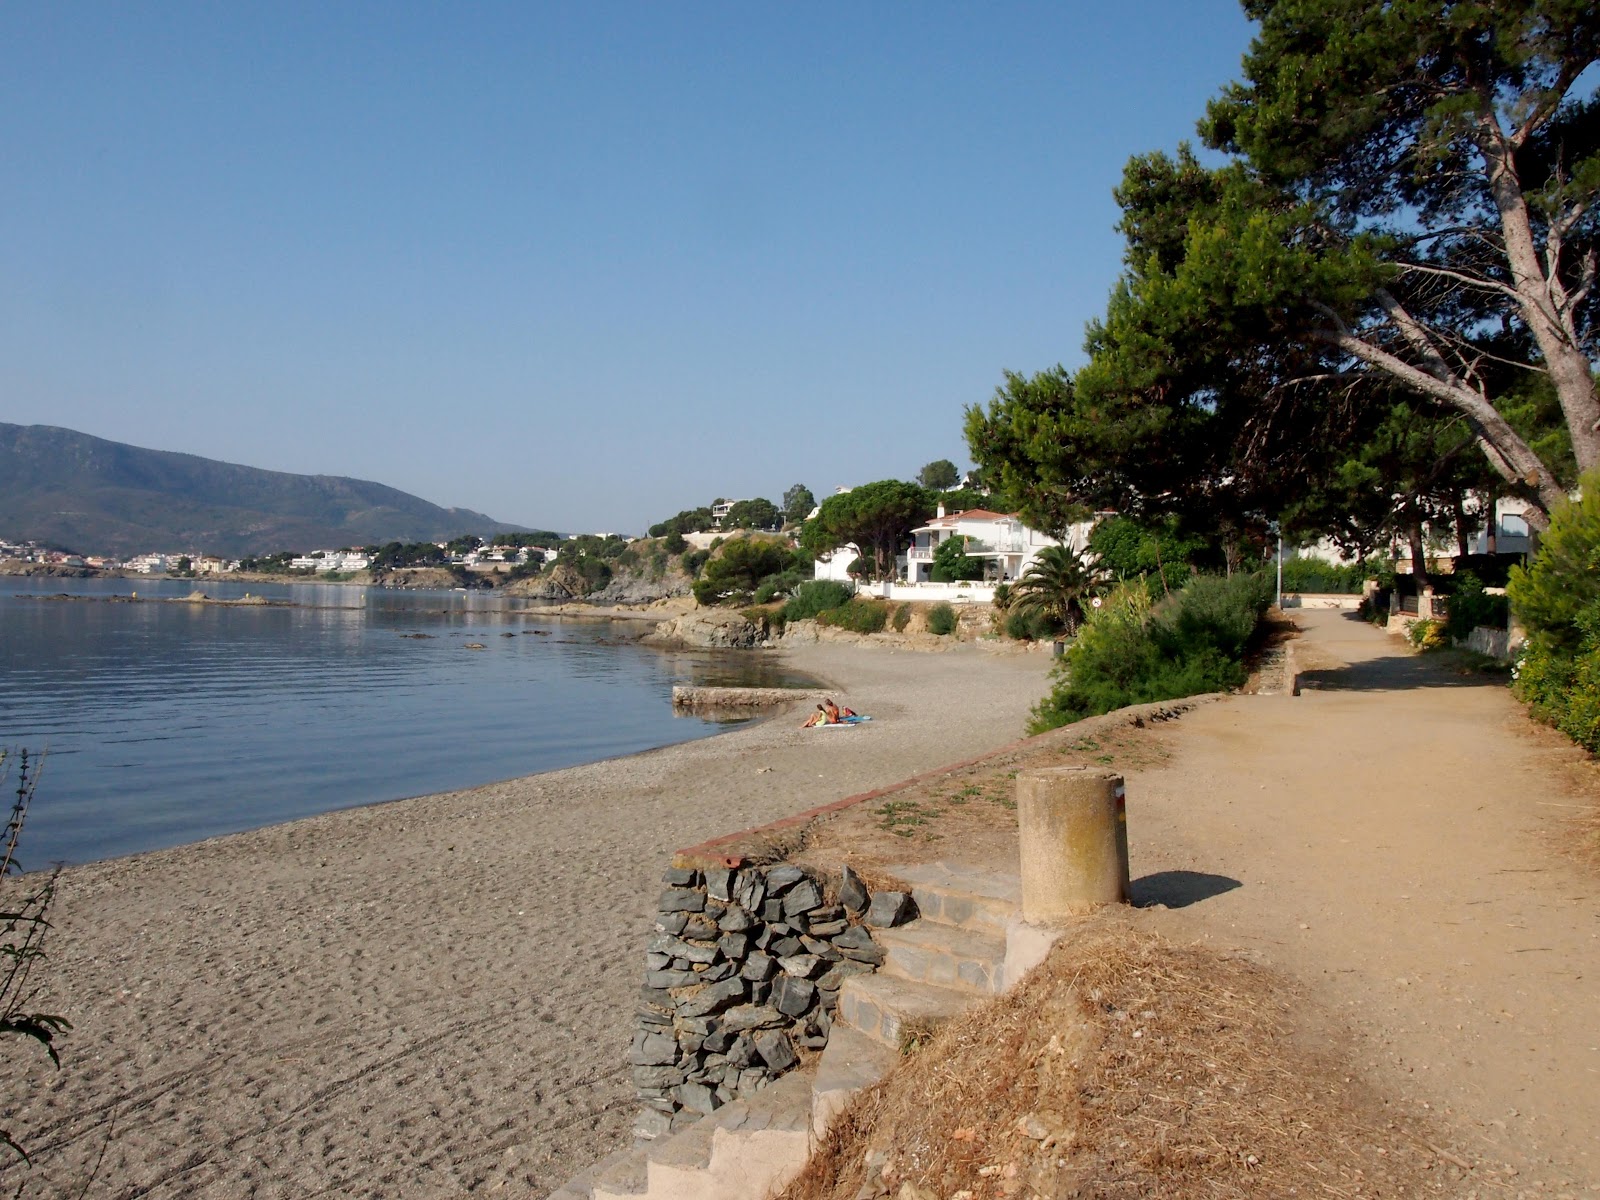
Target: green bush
{"x": 816, "y": 596}
{"x": 952, "y": 563}
{"x": 902, "y": 618}
{"x": 1558, "y": 600}
{"x": 733, "y": 576}
{"x": 859, "y": 616}
{"x": 676, "y": 543}
{"x": 1314, "y": 575}
{"x": 1470, "y": 606}
{"x": 694, "y": 561}
{"x": 1427, "y": 634}
{"x": 1133, "y": 651}
{"x": 1030, "y": 625}
{"x": 941, "y": 619}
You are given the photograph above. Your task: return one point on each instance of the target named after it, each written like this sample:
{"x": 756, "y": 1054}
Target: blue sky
{"x": 577, "y": 266}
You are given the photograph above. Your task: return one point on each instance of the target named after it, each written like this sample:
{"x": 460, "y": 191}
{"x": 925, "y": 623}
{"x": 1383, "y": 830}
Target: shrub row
{"x": 1314, "y": 575}
{"x": 1558, "y": 600}
{"x": 1134, "y": 651}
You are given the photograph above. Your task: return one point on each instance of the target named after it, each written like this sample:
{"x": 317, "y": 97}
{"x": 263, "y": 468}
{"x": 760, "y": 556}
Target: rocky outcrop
{"x": 15, "y": 566}
{"x": 713, "y": 628}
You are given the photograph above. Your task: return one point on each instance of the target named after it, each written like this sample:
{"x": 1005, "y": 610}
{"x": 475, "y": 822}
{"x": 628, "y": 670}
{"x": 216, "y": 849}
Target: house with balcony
{"x": 1006, "y": 545}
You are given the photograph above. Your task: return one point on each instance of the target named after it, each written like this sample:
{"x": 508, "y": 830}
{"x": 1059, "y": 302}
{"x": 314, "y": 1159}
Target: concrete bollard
{"x": 1074, "y": 833}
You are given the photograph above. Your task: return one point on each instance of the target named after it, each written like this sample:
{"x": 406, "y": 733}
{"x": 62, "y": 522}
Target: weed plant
{"x": 941, "y": 619}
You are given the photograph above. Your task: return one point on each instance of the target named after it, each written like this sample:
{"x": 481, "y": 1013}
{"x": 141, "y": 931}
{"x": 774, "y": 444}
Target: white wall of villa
{"x": 1007, "y": 546}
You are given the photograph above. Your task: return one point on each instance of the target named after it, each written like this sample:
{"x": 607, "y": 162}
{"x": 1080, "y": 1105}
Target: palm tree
{"x": 1057, "y": 583}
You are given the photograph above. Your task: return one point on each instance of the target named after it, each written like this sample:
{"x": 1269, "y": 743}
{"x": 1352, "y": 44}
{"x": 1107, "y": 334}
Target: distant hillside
{"x": 96, "y": 497}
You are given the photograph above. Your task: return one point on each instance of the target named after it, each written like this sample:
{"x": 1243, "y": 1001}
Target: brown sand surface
{"x": 433, "y": 997}
{"x": 1393, "y": 838}
{"x": 1401, "y": 842}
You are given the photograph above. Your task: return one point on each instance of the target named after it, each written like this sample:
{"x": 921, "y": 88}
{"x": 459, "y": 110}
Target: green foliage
{"x": 1558, "y": 601}
{"x": 1552, "y": 596}
{"x": 395, "y": 555}
{"x": 902, "y": 618}
{"x": 593, "y": 545}
{"x": 1003, "y": 597}
{"x": 595, "y": 572}
{"x": 1126, "y": 548}
{"x": 1428, "y": 634}
{"x": 1314, "y": 575}
{"x": 1132, "y": 651}
{"x": 1026, "y": 445}
{"x": 877, "y": 517}
{"x": 859, "y": 616}
{"x": 753, "y": 514}
{"x": 273, "y": 564}
{"x": 675, "y": 543}
{"x": 816, "y": 596}
{"x": 798, "y": 503}
{"x": 733, "y": 576}
{"x": 952, "y": 563}
{"x": 690, "y": 520}
{"x": 694, "y": 561}
{"x": 940, "y": 474}
{"x": 942, "y": 619}
{"x": 544, "y": 539}
{"x": 1030, "y": 625}
{"x": 1056, "y": 585}
{"x": 1470, "y": 606}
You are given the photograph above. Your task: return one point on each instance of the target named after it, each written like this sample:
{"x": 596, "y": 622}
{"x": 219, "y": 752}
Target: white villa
{"x": 1001, "y": 539}
{"x": 1008, "y": 546}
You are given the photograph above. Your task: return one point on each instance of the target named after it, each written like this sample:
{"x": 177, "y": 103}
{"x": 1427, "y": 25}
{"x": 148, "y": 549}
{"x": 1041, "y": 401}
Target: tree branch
{"x": 1488, "y": 285}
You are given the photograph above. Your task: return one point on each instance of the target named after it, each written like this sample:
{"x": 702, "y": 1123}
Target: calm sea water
{"x": 168, "y": 723}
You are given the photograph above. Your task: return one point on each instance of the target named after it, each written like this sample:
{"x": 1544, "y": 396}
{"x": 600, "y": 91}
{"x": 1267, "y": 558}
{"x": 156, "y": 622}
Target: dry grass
{"x": 969, "y": 814}
{"x": 1123, "y": 1067}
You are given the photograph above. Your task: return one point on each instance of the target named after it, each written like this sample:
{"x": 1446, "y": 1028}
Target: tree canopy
{"x": 876, "y": 517}
{"x": 941, "y": 473}
{"x": 753, "y": 514}
{"x": 798, "y": 503}
{"x": 1407, "y": 212}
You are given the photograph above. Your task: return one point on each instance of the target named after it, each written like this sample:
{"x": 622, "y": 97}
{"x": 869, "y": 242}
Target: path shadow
{"x": 1178, "y": 889}
{"x": 1395, "y": 673}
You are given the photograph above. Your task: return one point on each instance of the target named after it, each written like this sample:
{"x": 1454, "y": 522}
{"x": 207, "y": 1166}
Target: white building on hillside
{"x": 1001, "y": 539}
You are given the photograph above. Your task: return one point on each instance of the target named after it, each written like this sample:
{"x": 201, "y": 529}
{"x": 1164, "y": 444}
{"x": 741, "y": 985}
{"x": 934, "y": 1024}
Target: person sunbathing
{"x": 820, "y": 717}
{"x": 835, "y": 713}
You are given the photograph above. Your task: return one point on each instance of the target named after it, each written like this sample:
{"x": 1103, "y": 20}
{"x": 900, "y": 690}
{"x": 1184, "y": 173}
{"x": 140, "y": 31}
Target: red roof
{"x": 979, "y": 514}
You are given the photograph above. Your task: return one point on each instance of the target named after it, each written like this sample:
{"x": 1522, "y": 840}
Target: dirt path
{"x": 1389, "y": 838}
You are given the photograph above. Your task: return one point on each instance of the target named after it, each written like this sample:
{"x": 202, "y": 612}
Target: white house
{"x": 1007, "y": 546}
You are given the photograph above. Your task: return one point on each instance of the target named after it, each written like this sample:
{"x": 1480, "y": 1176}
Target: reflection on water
{"x": 170, "y": 722}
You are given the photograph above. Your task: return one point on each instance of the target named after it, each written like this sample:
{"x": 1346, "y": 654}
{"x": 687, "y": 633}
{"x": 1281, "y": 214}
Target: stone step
{"x": 744, "y": 1149}
{"x": 961, "y": 896}
{"x": 891, "y": 1010}
{"x": 621, "y": 1176}
{"x": 968, "y": 960}
{"x": 618, "y": 1174}
{"x": 851, "y": 1061}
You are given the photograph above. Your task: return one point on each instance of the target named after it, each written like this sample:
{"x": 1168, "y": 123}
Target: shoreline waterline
{"x": 434, "y": 995}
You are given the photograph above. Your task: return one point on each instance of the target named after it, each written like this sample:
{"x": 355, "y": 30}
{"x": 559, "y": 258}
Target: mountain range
{"x": 69, "y": 489}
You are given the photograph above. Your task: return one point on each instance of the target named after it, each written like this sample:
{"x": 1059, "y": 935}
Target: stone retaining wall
{"x": 742, "y": 977}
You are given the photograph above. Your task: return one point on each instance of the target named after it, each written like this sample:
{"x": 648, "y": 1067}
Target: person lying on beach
{"x": 820, "y": 717}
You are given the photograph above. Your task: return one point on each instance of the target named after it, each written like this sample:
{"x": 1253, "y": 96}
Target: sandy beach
{"x": 429, "y": 998}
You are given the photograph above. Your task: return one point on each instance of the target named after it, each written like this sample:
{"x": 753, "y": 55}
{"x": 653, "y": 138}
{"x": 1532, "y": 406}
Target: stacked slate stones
{"x": 742, "y": 972}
